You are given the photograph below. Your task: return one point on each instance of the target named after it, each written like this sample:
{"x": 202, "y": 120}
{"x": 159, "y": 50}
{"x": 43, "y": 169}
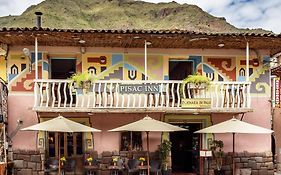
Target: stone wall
{"x": 28, "y": 162}
{"x": 245, "y": 163}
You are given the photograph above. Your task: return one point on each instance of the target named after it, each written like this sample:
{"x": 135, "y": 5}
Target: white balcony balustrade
{"x": 106, "y": 94}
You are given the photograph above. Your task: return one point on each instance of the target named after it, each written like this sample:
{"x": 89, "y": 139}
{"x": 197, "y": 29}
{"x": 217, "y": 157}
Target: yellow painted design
{"x": 41, "y": 139}
{"x": 136, "y": 61}
{"x": 109, "y": 70}
{"x": 262, "y": 86}
{"x": 3, "y": 68}
{"x": 86, "y": 64}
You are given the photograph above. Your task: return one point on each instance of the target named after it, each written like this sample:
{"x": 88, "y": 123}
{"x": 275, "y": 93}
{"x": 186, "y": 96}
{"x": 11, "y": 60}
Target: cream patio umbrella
{"x": 235, "y": 126}
{"x": 148, "y": 124}
{"x": 60, "y": 124}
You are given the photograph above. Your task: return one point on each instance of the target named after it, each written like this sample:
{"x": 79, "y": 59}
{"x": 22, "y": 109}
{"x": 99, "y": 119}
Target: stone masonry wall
{"x": 28, "y": 162}
{"x": 245, "y": 163}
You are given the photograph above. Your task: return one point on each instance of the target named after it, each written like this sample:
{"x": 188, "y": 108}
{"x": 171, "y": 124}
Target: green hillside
{"x": 120, "y": 14}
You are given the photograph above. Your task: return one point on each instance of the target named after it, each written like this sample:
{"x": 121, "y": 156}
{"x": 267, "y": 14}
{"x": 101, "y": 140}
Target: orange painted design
{"x": 26, "y": 83}
{"x": 217, "y": 62}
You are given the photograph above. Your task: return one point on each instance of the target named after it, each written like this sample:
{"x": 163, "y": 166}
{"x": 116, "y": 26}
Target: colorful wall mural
{"x": 3, "y": 68}
{"x": 120, "y": 66}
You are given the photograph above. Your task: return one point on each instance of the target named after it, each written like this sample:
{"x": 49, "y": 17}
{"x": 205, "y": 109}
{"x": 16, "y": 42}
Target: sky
{"x": 240, "y": 13}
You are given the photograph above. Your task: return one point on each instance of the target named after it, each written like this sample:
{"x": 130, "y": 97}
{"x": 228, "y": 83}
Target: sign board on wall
{"x": 196, "y": 103}
{"x": 139, "y": 88}
{"x": 277, "y": 92}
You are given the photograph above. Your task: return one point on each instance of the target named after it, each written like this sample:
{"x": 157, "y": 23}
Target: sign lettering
{"x": 139, "y": 88}
{"x": 196, "y": 103}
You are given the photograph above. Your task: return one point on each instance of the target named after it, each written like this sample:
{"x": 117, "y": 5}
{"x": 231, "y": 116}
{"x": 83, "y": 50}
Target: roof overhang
{"x": 135, "y": 39}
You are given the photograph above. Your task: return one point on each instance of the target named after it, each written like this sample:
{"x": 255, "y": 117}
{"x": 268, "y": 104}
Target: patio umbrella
{"x": 148, "y": 124}
{"x": 234, "y": 126}
{"x": 60, "y": 124}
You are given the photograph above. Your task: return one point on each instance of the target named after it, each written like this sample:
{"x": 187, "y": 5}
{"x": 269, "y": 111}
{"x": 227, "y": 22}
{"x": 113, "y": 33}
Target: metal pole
{"x": 233, "y": 152}
{"x": 36, "y": 58}
{"x": 145, "y": 60}
{"x": 247, "y": 61}
{"x": 5, "y": 148}
{"x": 148, "y": 163}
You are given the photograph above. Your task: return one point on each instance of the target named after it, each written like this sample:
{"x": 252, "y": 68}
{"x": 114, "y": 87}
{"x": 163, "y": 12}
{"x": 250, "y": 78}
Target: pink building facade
{"x": 240, "y": 87}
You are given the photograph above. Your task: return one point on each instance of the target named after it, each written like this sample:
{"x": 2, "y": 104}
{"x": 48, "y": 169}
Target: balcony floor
{"x": 145, "y": 110}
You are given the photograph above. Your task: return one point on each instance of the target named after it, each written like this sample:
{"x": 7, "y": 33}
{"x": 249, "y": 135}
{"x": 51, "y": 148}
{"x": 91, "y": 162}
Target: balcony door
{"x": 62, "y": 68}
{"x": 180, "y": 69}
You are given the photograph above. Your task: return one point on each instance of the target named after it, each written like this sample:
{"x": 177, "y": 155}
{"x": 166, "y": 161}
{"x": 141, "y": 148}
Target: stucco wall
{"x": 249, "y": 142}
{"x": 105, "y": 141}
{"x": 20, "y": 107}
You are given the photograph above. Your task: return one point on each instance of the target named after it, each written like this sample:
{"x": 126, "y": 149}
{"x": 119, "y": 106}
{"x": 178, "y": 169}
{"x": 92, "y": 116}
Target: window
{"x": 131, "y": 141}
{"x": 71, "y": 144}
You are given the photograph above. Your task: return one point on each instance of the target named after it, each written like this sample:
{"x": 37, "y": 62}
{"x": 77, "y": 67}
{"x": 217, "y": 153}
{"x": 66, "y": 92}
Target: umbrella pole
{"x": 59, "y": 151}
{"x": 148, "y": 163}
{"x": 233, "y": 152}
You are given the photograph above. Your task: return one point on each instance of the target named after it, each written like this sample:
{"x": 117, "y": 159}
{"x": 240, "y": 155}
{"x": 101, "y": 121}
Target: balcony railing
{"x": 106, "y": 94}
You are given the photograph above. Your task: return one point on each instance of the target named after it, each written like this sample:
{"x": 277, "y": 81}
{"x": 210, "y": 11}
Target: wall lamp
{"x": 26, "y": 53}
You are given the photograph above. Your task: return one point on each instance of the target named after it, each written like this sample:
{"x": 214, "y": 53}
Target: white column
{"x": 247, "y": 61}
{"x": 36, "y": 59}
{"x": 145, "y": 60}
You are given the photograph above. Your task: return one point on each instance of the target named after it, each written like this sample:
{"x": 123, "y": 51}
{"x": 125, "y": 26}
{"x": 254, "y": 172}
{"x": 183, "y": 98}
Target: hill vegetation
{"x": 120, "y": 14}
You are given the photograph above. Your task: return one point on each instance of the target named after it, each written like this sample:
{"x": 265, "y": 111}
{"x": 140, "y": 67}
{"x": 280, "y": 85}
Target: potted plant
{"x": 82, "y": 80}
{"x": 115, "y": 160}
{"x": 62, "y": 160}
{"x": 216, "y": 147}
{"x": 142, "y": 160}
{"x": 164, "y": 151}
{"x": 197, "y": 81}
{"x": 90, "y": 160}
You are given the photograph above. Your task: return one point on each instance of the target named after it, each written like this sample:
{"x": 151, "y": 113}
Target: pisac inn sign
{"x": 139, "y": 88}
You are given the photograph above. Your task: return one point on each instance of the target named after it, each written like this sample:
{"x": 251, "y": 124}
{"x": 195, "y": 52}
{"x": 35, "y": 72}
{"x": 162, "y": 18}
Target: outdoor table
{"x": 91, "y": 169}
{"x": 142, "y": 169}
{"x": 114, "y": 169}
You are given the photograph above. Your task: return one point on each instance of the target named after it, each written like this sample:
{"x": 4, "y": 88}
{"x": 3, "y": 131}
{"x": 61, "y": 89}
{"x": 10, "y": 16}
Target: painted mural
{"x": 21, "y": 71}
{"x": 120, "y": 66}
{"x": 3, "y": 68}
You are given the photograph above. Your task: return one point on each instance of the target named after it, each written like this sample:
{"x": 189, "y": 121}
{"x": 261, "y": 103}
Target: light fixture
{"x": 82, "y": 41}
{"x": 221, "y": 44}
{"x": 83, "y": 50}
{"x": 197, "y": 39}
{"x": 148, "y": 43}
{"x": 3, "y": 49}
{"x": 26, "y": 53}
{"x": 136, "y": 37}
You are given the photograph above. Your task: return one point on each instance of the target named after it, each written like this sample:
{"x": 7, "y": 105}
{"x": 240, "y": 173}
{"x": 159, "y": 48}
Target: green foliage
{"x": 164, "y": 151}
{"x": 81, "y": 79}
{"x": 196, "y": 79}
{"x": 216, "y": 147}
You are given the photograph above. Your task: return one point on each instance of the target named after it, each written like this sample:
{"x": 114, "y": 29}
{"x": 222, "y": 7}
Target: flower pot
{"x": 219, "y": 172}
{"x": 114, "y": 163}
{"x": 90, "y": 163}
{"x": 141, "y": 163}
{"x": 166, "y": 171}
